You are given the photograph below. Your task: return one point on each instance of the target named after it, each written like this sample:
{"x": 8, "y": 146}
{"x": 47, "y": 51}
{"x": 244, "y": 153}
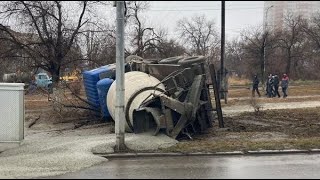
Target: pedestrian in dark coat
{"x": 276, "y": 86}
{"x": 270, "y": 86}
{"x": 255, "y": 86}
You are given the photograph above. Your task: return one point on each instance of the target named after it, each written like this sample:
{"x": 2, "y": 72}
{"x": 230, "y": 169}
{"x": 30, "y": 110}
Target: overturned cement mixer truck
{"x": 169, "y": 95}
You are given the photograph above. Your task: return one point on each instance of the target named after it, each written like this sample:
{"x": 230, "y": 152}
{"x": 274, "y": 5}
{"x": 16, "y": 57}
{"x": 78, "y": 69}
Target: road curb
{"x": 233, "y": 153}
{"x": 128, "y": 155}
{"x": 289, "y": 151}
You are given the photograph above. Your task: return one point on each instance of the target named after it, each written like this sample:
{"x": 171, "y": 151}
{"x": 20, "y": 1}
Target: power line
{"x": 230, "y": 6}
{"x": 203, "y": 9}
{"x": 217, "y": 5}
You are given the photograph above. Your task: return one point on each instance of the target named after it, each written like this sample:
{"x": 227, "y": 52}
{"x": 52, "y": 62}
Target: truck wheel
{"x": 192, "y": 60}
{"x": 133, "y": 58}
{"x": 171, "y": 60}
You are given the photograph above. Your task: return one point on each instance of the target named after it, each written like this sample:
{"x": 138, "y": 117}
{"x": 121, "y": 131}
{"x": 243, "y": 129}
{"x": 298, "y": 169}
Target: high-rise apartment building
{"x": 276, "y": 11}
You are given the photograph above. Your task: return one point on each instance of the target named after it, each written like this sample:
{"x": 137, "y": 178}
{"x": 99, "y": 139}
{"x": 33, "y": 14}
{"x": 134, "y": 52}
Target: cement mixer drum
{"x": 139, "y": 88}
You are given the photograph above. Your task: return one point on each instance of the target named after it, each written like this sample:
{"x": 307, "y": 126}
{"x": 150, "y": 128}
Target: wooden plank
{"x": 216, "y": 95}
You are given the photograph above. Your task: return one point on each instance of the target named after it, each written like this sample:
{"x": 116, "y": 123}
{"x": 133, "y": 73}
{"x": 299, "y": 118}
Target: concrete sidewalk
{"x": 237, "y": 109}
{"x": 263, "y": 97}
{"x": 51, "y": 156}
{"x": 45, "y": 154}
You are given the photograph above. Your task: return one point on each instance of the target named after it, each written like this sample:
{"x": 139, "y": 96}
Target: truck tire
{"x": 192, "y": 60}
{"x": 171, "y": 60}
{"x": 131, "y": 58}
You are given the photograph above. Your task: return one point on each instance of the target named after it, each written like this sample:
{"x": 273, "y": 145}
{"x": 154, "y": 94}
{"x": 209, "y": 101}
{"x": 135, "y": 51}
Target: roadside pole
{"x": 120, "y": 88}
{"x": 223, "y": 86}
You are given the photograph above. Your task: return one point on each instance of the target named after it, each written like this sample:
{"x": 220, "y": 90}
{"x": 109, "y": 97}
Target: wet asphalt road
{"x": 295, "y": 166}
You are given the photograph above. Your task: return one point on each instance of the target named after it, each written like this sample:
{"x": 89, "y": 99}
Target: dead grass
{"x": 294, "y": 90}
{"x": 233, "y": 102}
{"x": 244, "y": 145}
{"x": 271, "y": 129}
{"x": 236, "y": 81}
{"x": 39, "y": 107}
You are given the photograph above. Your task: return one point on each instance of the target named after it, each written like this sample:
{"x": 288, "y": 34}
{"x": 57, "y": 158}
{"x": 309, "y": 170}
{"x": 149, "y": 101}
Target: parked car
{"x": 40, "y": 80}
{"x": 43, "y": 80}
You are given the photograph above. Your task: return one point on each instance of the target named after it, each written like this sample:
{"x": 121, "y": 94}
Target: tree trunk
{"x": 198, "y": 50}
{"x": 262, "y": 66}
{"x": 288, "y": 67}
{"x": 296, "y": 69}
{"x": 139, "y": 52}
{"x": 262, "y": 69}
{"x": 55, "y": 73}
{"x": 56, "y": 77}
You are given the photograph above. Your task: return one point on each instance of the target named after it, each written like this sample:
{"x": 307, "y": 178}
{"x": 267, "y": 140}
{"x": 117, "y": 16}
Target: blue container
{"x": 90, "y": 80}
{"x": 103, "y": 87}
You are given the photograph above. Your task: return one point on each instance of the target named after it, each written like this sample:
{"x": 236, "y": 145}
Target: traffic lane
{"x": 293, "y": 166}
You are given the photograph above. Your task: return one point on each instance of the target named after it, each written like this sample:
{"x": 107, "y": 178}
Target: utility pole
{"x": 222, "y": 78}
{"x": 264, "y": 45}
{"x": 119, "y": 114}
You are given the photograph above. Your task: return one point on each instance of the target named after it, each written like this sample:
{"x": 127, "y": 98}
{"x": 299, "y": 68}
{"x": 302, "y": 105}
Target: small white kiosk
{"x": 11, "y": 115}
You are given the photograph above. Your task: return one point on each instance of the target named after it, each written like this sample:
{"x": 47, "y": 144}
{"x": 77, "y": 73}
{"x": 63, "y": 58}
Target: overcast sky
{"x": 239, "y": 14}
{"x": 165, "y": 14}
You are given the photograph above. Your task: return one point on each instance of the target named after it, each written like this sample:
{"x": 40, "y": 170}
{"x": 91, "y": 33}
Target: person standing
{"x": 284, "y": 85}
{"x": 270, "y": 86}
{"x": 276, "y": 86}
{"x": 255, "y": 86}
{"x": 32, "y": 86}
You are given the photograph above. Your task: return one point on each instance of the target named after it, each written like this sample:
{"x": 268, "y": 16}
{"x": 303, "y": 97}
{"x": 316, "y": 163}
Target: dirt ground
{"x": 271, "y": 129}
{"x": 43, "y": 114}
{"x": 268, "y": 129}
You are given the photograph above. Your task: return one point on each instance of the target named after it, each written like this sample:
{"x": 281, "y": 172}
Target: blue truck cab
{"x": 43, "y": 80}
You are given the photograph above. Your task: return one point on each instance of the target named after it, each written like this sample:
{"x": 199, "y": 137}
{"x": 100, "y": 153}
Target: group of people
{"x": 272, "y": 86}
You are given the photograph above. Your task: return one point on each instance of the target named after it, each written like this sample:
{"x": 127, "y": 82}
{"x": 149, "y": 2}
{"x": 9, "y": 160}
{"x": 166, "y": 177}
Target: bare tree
{"x": 50, "y": 36}
{"x": 235, "y": 59}
{"x": 292, "y": 40}
{"x": 312, "y": 48}
{"x": 165, "y": 49}
{"x": 144, "y": 38}
{"x": 198, "y": 32}
{"x": 257, "y": 45}
{"x": 171, "y": 48}
{"x": 312, "y": 29}
{"x": 8, "y": 52}
{"x": 100, "y": 46}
